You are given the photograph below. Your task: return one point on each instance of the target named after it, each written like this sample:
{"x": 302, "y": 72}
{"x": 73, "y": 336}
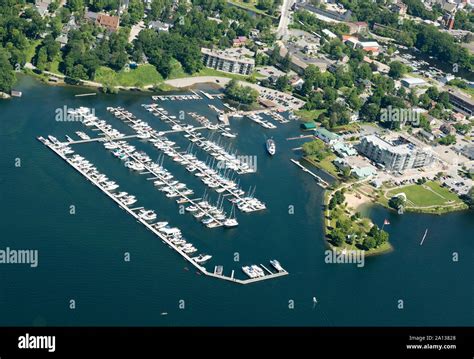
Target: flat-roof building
{"x": 229, "y": 60}
{"x": 462, "y": 102}
{"x": 411, "y": 82}
{"x": 395, "y": 156}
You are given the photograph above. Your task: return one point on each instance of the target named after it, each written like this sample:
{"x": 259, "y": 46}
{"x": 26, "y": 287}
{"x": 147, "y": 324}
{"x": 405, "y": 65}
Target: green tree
{"x": 7, "y": 75}
{"x": 397, "y": 69}
{"x": 243, "y": 94}
{"x": 369, "y": 242}
{"x": 136, "y": 10}
{"x": 338, "y": 237}
{"x": 41, "y": 58}
{"x": 282, "y": 83}
{"x": 75, "y": 5}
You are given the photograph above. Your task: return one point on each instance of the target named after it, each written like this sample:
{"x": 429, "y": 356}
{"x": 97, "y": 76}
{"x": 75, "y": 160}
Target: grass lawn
{"x": 54, "y": 65}
{"x": 351, "y": 127}
{"x": 325, "y": 164}
{"x": 309, "y": 115}
{"x": 147, "y": 74}
{"x": 142, "y": 76}
{"x": 469, "y": 90}
{"x": 431, "y": 194}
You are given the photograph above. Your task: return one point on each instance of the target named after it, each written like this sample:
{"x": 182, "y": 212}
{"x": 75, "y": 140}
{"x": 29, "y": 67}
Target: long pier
{"x": 321, "y": 182}
{"x": 175, "y": 153}
{"x": 164, "y": 117}
{"x": 200, "y": 268}
{"x": 167, "y": 183}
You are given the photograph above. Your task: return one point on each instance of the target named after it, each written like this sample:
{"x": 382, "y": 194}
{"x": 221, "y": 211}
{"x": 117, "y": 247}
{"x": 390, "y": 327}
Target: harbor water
{"x": 83, "y": 238}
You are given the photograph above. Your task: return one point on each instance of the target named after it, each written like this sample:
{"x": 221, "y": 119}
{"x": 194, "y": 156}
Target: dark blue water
{"x": 81, "y": 256}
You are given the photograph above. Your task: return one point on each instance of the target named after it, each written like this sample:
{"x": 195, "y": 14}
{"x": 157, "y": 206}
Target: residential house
{"x": 111, "y": 23}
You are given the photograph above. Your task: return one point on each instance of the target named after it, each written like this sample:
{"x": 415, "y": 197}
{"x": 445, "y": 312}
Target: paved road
{"x": 284, "y": 18}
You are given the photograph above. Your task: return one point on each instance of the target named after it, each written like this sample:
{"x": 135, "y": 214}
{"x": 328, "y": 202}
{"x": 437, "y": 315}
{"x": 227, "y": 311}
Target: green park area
{"x": 349, "y": 230}
{"x": 317, "y": 153}
{"x": 429, "y": 197}
{"x": 141, "y": 76}
{"x": 147, "y": 75}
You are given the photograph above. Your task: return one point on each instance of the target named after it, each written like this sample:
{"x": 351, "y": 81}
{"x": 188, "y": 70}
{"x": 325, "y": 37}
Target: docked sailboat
{"x": 231, "y": 221}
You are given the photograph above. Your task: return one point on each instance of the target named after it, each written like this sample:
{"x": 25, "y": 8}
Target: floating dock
{"x": 149, "y": 226}
{"x": 225, "y": 189}
{"x": 321, "y": 182}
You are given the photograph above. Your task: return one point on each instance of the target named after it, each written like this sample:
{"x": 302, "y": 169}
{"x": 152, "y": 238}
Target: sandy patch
{"x": 355, "y": 199}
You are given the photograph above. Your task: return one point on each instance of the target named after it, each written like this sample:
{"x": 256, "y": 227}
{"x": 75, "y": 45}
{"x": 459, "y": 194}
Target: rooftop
{"x": 385, "y": 145}
{"x": 414, "y": 80}
{"x": 328, "y": 134}
{"x": 231, "y": 54}
{"x": 111, "y": 22}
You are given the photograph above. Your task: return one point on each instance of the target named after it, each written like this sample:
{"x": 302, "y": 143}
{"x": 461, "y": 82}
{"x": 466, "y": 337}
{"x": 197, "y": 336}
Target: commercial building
{"x": 411, "y": 82}
{"x": 369, "y": 46}
{"x": 324, "y": 14}
{"x": 326, "y": 136}
{"x": 398, "y": 155}
{"x": 229, "y": 60}
{"x": 461, "y": 102}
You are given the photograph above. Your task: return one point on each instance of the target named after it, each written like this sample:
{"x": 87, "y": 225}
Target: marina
{"x": 82, "y": 255}
{"x": 171, "y": 236}
{"x": 162, "y": 114}
{"x": 185, "y": 97}
{"x": 209, "y": 174}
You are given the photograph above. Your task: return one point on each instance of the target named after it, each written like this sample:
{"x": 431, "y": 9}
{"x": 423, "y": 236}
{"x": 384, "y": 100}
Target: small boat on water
{"x": 271, "y": 147}
{"x": 276, "y": 265}
{"x": 202, "y": 258}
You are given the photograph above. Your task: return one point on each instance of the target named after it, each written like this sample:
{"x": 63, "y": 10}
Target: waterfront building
{"x": 308, "y": 125}
{"x": 229, "y": 60}
{"x": 398, "y": 155}
{"x": 326, "y": 136}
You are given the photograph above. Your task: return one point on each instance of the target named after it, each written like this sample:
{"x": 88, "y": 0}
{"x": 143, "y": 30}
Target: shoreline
{"x": 179, "y": 84}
